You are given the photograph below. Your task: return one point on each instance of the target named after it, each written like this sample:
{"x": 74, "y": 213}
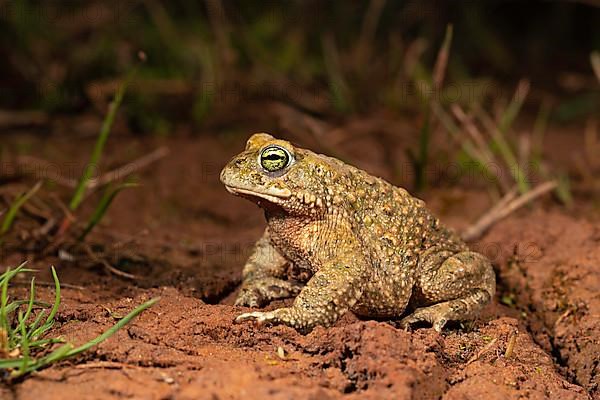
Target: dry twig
{"x": 105, "y": 365}
{"x": 510, "y": 347}
{"x": 107, "y": 265}
{"x": 48, "y": 170}
{"x": 49, "y": 284}
{"x": 483, "y": 151}
{"x": 130, "y": 168}
{"x": 504, "y": 208}
{"x": 481, "y": 352}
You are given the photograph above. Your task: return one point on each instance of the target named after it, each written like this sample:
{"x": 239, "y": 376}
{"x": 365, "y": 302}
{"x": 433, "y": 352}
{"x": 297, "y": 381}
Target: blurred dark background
{"x": 207, "y": 62}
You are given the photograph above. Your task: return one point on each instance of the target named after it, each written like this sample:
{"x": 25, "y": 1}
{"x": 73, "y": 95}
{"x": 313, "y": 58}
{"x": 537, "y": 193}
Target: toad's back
{"x": 394, "y": 228}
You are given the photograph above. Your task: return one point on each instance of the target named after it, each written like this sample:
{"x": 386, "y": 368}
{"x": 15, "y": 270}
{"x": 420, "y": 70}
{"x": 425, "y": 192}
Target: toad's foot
{"x": 289, "y": 316}
{"x": 435, "y": 315}
{"x": 439, "y": 314}
{"x": 271, "y": 317}
{"x": 259, "y": 292}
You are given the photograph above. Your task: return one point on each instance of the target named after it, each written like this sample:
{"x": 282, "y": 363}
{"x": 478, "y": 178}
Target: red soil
{"x": 187, "y": 239}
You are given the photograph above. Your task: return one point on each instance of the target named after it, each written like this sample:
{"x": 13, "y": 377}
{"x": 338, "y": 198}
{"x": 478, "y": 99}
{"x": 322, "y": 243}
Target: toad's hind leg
{"x": 455, "y": 285}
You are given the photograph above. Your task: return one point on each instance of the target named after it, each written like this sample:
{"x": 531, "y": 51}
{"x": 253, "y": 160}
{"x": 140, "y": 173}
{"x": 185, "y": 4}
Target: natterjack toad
{"x": 358, "y": 242}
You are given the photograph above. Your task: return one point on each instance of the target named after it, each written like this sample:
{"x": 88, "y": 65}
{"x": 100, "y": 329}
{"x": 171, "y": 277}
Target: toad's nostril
{"x": 239, "y": 162}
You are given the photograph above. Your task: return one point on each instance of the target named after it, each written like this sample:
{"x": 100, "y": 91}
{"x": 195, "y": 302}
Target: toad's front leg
{"x": 263, "y": 275}
{"x": 330, "y": 293}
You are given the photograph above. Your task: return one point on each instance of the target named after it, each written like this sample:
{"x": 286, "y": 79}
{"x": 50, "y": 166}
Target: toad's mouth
{"x": 274, "y": 195}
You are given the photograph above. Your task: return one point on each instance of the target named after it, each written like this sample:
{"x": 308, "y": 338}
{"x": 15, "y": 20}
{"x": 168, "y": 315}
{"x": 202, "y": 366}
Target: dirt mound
{"x": 550, "y": 269}
{"x": 183, "y": 348}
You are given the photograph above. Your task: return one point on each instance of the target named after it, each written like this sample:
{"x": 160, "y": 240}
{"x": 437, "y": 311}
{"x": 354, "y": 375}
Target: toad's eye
{"x": 274, "y": 158}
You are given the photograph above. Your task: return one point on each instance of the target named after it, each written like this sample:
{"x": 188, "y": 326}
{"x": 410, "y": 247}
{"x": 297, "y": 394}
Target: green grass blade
{"x": 100, "y": 142}
{"x": 10, "y": 308}
{"x": 508, "y": 117}
{"x": 56, "y": 355}
{"x": 67, "y": 350}
{"x": 16, "y": 206}
{"x": 25, "y": 337}
{"x": 10, "y": 273}
{"x": 4, "y": 323}
{"x": 24, "y": 344}
{"x": 32, "y": 328}
{"x": 513, "y": 109}
{"x": 56, "y": 296}
{"x": 512, "y": 163}
{"x": 563, "y": 190}
{"x": 504, "y": 149}
{"x": 8, "y": 363}
{"x": 466, "y": 145}
{"x": 107, "y": 198}
{"x": 539, "y": 130}
{"x": 50, "y": 319}
{"x": 31, "y": 299}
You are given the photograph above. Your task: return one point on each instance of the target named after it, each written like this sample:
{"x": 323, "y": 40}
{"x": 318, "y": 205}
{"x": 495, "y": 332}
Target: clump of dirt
{"x": 551, "y": 269}
{"x": 184, "y": 348}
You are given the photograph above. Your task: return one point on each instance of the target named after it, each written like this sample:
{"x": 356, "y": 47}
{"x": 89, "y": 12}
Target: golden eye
{"x": 274, "y": 158}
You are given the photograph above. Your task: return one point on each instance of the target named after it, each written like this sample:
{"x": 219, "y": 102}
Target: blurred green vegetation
{"x": 208, "y": 58}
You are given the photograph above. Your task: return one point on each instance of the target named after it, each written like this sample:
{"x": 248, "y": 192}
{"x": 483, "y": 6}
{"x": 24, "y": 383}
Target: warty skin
{"x": 340, "y": 239}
